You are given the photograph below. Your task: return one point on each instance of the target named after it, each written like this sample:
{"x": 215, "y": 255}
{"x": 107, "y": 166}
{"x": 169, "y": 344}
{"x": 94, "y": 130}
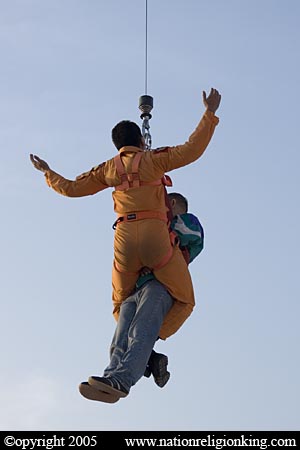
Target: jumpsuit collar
{"x": 131, "y": 149}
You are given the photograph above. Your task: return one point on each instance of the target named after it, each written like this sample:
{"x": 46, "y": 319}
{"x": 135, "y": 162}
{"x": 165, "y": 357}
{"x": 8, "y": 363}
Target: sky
{"x": 72, "y": 69}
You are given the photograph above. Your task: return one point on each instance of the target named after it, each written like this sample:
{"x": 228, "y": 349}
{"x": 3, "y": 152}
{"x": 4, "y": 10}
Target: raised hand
{"x": 212, "y": 102}
{"x": 39, "y": 164}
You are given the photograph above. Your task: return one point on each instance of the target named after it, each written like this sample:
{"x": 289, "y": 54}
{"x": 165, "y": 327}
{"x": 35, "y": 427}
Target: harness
{"x": 132, "y": 180}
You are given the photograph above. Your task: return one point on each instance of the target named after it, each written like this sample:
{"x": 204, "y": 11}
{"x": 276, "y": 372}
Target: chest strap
{"x": 132, "y": 179}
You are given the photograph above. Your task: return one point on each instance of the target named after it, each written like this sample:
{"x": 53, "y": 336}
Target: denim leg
{"x": 119, "y": 342}
{"x": 142, "y": 316}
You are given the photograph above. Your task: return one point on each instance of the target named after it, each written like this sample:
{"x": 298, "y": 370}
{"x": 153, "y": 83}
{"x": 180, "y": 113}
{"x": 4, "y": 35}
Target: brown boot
{"x": 91, "y": 393}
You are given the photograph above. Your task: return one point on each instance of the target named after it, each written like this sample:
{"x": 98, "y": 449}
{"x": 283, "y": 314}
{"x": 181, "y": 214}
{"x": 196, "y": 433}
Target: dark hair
{"x": 126, "y": 133}
{"x": 180, "y": 199}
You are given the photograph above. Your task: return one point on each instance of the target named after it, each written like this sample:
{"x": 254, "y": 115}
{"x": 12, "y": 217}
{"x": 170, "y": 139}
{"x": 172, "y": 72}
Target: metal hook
{"x": 145, "y": 106}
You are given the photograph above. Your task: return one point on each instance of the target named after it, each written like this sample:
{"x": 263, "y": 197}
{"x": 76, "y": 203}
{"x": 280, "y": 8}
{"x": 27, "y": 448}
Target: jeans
{"x": 140, "y": 319}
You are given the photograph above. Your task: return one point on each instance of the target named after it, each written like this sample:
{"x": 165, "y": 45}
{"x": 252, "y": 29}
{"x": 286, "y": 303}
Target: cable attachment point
{"x": 145, "y": 106}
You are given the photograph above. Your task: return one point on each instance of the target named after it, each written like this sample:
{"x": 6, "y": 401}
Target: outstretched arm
{"x": 171, "y": 158}
{"x": 88, "y": 183}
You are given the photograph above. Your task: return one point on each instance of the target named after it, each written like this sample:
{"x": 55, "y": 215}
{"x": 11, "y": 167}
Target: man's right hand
{"x": 145, "y": 271}
{"x": 39, "y": 164}
{"x": 212, "y": 102}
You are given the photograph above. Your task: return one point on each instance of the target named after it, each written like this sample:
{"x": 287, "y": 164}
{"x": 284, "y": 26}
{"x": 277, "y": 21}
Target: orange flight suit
{"x": 145, "y": 242}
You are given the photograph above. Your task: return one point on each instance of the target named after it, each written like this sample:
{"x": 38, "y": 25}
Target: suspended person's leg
{"x": 123, "y": 285}
{"x": 119, "y": 344}
{"x": 180, "y": 311}
{"x": 152, "y": 304}
{"x": 126, "y": 265}
{"x": 169, "y": 267}
{"x": 118, "y": 347}
{"x": 176, "y": 278}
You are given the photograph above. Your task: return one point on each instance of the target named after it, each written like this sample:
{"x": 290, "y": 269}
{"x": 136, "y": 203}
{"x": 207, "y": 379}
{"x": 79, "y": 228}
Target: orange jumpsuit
{"x": 145, "y": 242}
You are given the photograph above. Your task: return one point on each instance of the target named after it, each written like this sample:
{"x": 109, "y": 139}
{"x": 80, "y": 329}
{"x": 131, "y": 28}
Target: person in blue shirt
{"x": 150, "y": 302}
{"x": 190, "y": 235}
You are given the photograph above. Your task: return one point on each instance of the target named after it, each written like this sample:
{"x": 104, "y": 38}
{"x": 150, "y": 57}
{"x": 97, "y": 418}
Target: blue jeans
{"x": 140, "y": 319}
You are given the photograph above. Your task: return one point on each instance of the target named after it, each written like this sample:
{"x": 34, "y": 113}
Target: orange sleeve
{"x": 88, "y": 183}
{"x": 171, "y": 158}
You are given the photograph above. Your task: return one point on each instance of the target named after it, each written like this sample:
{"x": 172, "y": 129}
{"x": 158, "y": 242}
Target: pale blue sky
{"x": 70, "y": 70}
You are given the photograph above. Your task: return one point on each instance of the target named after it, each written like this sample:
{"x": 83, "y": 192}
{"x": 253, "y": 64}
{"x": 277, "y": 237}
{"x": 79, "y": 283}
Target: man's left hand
{"x": 39, "y": 164}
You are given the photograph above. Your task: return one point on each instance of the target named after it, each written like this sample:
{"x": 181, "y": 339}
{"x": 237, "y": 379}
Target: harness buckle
{"x": 119, "y": 219}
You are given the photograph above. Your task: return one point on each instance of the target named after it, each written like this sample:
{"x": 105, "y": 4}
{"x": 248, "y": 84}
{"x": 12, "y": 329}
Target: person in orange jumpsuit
{"x": 142, "y": 237}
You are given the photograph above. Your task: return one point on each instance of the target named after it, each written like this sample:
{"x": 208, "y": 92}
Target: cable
{"x": 146, "y": 49}
{"x": 146, "y": 101}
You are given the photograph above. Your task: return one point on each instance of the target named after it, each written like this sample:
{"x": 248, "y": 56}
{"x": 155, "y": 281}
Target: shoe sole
{"x": 106, "y": 388}
{"x": 91, "y": 393}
